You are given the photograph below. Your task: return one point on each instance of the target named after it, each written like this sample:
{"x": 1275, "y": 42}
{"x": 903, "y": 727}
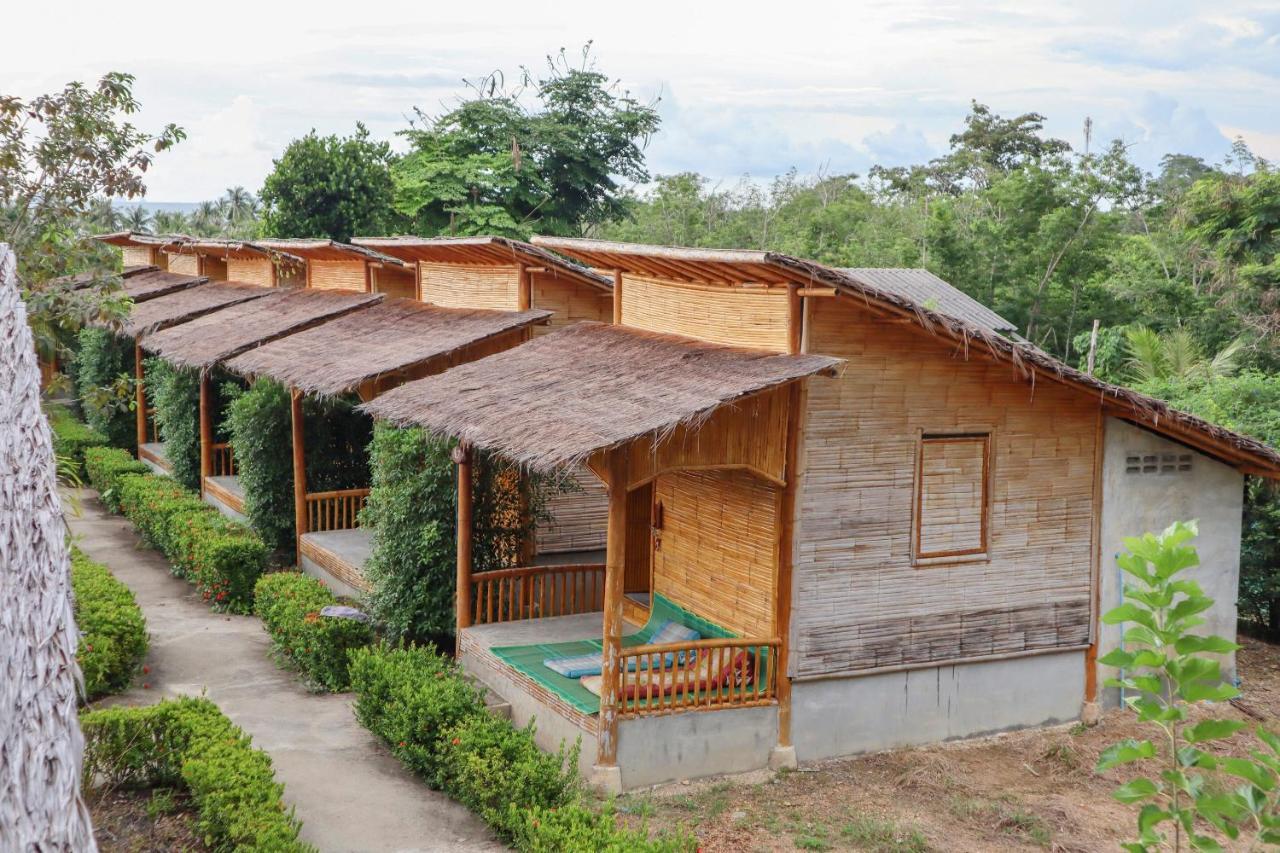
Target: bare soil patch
{"x": 154, "y": 820}
{"x": 1028, "y": 790}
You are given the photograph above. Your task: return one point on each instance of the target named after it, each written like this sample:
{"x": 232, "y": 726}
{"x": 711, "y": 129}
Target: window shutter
{"x": 951, "y": 496}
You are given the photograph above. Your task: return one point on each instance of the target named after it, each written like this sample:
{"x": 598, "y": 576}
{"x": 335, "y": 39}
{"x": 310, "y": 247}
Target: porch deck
{"x": 153, "y": 454}
{"x": 337, "y": 557}
{"x": 226, "y": 495}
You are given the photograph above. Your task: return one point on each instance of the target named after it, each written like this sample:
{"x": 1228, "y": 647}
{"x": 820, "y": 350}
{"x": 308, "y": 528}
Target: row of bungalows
{"x": 843, "y": 509}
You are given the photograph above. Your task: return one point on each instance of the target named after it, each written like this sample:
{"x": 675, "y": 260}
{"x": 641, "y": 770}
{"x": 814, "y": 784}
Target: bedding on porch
{"x": 529, "y": 659}
{"x": 708, "y": 672}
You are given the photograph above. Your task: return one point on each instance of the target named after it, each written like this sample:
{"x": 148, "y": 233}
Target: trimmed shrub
{"x": 150, "y": 502}
{"x": 239, "y": 803}
{"x": 71, "y": 436}
{"x": 104, "y": 384}
{"x": 105, "y": 466}
{"x": 223, "y": 558}
{"x": 113, "y": 633}
{"x": 289, "y": 604}
{"x": 575, "y": 827}
{"x": 175, "y": 394}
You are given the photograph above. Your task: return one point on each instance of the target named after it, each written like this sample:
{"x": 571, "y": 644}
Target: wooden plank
{"x": 617, "y": 297}
{"x": 786, "y": 542}
{"x": 298, "y": 436}
{"x": 462, "y": 460}
{"x": 614, "y": 576}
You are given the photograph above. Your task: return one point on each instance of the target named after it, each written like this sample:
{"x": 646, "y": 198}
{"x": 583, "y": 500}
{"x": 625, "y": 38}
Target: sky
{"x": 742, "y": 88}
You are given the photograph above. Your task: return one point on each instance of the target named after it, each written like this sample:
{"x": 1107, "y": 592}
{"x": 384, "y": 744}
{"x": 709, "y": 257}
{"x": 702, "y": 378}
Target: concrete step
{"x": 493, "y": 703}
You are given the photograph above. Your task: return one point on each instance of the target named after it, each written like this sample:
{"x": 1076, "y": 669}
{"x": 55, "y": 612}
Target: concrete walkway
{"x": 349, "y": 792}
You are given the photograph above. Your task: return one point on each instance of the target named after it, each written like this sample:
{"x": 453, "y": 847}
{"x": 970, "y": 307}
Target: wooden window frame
{"x": 981, "y": 553}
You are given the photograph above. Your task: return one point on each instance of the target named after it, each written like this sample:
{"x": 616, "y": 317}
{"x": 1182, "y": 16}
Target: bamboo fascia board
{"x": 907, "y": 667}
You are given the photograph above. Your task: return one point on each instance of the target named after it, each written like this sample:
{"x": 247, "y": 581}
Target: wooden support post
{"x": 299, "y": 470}
{"x": 795, "y": 318}
{"x": 1091, "y": 711}
{"x": 607, "y": 773}
{"x": 140, "y": 395}
{"x": 524, "y": 286}
{"x": 617, "y": 297}
{"x": 206, "y": 428}
{"x": 462, "y": 458}
{"x": 784, "y": 754}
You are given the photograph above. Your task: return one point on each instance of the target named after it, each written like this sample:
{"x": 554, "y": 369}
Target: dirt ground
{"x": 1029, "y": 790}
{"x": 148, "y": 821}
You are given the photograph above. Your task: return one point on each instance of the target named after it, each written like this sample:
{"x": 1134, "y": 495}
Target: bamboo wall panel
{"x": 337, "y": 275}
{"x": 214, "y": 268}
{"x": 859, "y": 602}
{"x": 748, "y": 317}
{"x": 184, "y": 264}
{"x": 639, "y": 556}
{"x": 395, "y": 281}
{"x": 138, "y": 255}
{"x": 951, "y": 506}
{"x": 717, "y": 551}
{"x": 577, "y": 518}
{"x": 469, "y": 285}
{"x": 572, "y": 302}
{"x": 260, "y": 271}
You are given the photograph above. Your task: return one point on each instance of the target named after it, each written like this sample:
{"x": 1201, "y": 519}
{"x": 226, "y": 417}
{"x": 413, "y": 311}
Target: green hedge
{"x": 105, "y": 466}
{"x": 72, "y": 436}
{"x": 113, "y": 633}
{"x": 104, "y": 384}
{"x": 175, "y": 394}
{"x": 189, "y": 742}
{"x": 151, "y": 502}
{"x": 417, "y": 701}
{"x": 289, "y": 605}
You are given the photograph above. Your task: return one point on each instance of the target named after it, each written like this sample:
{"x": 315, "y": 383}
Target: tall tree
{"x": 330, "y": 186}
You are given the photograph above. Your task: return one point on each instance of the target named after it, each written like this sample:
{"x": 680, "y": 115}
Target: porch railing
{"x": 508, "y": 595}
{"x": 702, "y": 674}
{"x": 224, "y": 460}
{"x": 337, "y": 510}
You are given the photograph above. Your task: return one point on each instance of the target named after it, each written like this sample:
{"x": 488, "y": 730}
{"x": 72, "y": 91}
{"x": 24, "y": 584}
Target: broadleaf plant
{"x": 1165, "y": 668}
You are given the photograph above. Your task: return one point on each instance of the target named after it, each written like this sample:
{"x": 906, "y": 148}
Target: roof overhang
{"x": 232, "y": 250}
{"x": 330, "y": 250}
{"x": 483, "y": 251}
{"x": 152, "y": 283}
{"x": 135, "y": 238}
{"x": 170, "y": 309}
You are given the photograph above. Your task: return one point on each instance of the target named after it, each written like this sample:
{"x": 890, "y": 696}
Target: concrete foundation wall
{"x": 1136, "y": 502}
{"x": 336, "y": 585}
{"x": 842, "y": 716}
{"x": 229, "y": 512}
{"x": 657, "y": 749}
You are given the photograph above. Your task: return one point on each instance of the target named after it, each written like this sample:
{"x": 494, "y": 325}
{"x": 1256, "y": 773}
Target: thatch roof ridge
{"x": 191, "y": 245}
{"x": 156, "y": 282}
{"x": 337, "y": 356}
{"x": 186, "y": 304}
{"x": 683, "y": 253}
{"x": 517, "y": 248}
{"x": 307, "y": 244}
{"x": 213, "y": 338}
{"x": 553, "y": 402}
{"x": 923, "y": 286}
{"x": 138, "y": 238}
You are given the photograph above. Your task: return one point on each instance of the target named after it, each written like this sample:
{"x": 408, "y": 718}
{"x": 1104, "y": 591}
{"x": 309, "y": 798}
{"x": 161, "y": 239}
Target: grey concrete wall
{"x": 1134, "y": 503}
{"x": 842, "y": 716}
{"x": 669, "y": 747}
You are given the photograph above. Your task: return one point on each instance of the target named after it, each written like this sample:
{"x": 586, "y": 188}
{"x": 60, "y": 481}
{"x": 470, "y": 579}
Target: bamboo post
{"x": 462, "y": 458}
{"x": 795, "y": 318}
{"x": 617, "y": 297}
{"x": 140, "y": 395}
{"x": 607, "y": 771}
{"x": 299, "y": 469}
{"x": 524, "y": 289}
{"x": 784, "y": 754}
{"x": 206, "y": 429}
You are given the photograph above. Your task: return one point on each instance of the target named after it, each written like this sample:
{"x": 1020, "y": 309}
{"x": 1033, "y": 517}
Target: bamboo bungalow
{"x": 502, "y": 274}
{"x": 144, "y": 250}
{"x": 366, "y": 353}
{"x": 918, "y": 557}
{"x": 207, "y": 341}
{"x": 329, "y": 265}
{"x": 239, "y": 260}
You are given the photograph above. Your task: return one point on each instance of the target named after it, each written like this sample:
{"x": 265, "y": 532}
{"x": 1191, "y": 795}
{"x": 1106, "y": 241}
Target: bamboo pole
{"x": 206, "y": 429}
{"x": 614, "y": 572}
{"x": 786, "y": 539}
{"x": 795, "y": 319}
{"x": 525, "y": 289}
{"x": 140, "y": 395}
{"x": 299, "y": 470}
{"x": 462, "y": 458}
{"x": 617, "y": 297}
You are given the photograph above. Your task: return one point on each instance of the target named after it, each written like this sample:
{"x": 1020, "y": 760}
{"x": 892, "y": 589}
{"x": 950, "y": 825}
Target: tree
{"x": 1177, "y": 356}
{"x": 330, "y": 186}
{"x": 496, "y": 165}
{"x": 137, "y": 219}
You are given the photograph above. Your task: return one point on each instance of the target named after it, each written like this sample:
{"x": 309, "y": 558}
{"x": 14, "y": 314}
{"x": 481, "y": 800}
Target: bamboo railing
{"x": 733, "y": 672}
{"x": 224, "y": 460}
{"x": 508, "y": 595}
{"x": 337, "y": 510}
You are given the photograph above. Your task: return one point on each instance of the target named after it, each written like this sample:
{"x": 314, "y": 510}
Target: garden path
{"x": 349, "y": 792}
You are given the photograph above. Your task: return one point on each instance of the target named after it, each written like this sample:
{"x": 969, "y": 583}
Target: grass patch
{"x": 883, "y": 836}
{"x": 1004, "y": 815}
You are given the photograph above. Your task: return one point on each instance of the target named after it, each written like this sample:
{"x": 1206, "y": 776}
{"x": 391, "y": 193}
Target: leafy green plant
{"x": 113, "y": 632}
{"x": 574, "y": 827}
{"x": 150, "y": 502}
{"x": 223, "y": 558}
{"x": 104, "y": 384}
{"x": 1168, "y": 668}
{"x": 175, "y": 394}
{"x": 71, "y": 436}
{"x": 289, "y": 604}
{"x": 190, "y": 742}
{"x": 105, "y": 466}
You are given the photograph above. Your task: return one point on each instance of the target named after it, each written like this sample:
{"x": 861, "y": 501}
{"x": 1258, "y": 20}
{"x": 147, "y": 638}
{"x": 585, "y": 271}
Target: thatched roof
{"x": 737, "y": 267}
{"x": 925, "y": 288}
{"x": 207, "y": 340}
{"x": 556, "y": 400}
{"x": 187, "y": 304}
{"x": 328, "y": 250}
{"x": 81, "y": 280}
{"x": 225, "y": 249}
{"x": 137, "y": 238}
{"x": 337, "y": 356}
{"x": 484, "y": 251}
{"x": 154, "y": 282}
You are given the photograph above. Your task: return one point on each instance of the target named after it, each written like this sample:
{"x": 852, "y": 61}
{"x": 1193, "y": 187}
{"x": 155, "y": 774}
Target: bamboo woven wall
{"x": 469, "y": 285}
{"x": 259, "y": 271}
{"x": 138, "y": 255}
{"x": 572, "y": 302}
{"x": 859, "y": 602}
{"x": 395, "y": 281}
{"x": 716, "y": 553}
{"x": 577, "y": 518}
{"x": 749, "y": 317}
{"x": 291, "y": 275}
{"x": 336, "y": 275}
{"x": 184, "y": 264}
{"x": 214, "y": 268}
